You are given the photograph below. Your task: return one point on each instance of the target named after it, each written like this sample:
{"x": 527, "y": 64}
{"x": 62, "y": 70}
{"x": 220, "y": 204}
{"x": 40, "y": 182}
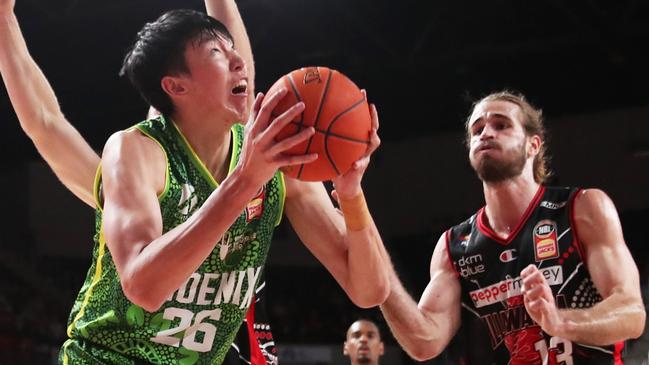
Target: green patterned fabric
{"x": 199, "y": 321}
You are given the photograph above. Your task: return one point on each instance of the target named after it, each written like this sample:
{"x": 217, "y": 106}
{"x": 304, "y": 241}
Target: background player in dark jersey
{"x": 543, "y": 274}
{"x": 74, "y": 161}
{"x": 363, "y": 343}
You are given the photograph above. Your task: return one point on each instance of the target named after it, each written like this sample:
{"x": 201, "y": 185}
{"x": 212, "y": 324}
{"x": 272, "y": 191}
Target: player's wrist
{"x": 357, "y": 215}
{"x": 246, "y": 180}
{"x": 563, "y": 327}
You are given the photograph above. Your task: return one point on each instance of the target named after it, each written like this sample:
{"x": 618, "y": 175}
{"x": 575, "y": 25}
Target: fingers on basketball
{"x": 338, "y": 112}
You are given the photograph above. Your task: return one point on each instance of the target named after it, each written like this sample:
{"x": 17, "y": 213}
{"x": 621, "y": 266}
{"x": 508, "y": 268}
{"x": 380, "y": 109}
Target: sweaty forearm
{"x": 617, "y": 318}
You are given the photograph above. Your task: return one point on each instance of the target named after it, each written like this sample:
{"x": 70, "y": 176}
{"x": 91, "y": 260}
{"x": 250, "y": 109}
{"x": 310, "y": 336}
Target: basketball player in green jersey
{"x": 205, "y": 330}
{"x": 72, "y": 159}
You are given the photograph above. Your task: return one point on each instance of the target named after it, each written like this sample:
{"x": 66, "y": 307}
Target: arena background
{"x": 586, "y": 63}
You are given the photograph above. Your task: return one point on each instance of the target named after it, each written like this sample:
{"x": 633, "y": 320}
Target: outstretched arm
{"x": 620, "y": 315}
{"x": 227, "y": 12}
{"x": 425, "y": 329}
{"x": 348, "y": 244}
{"x": 38, "y": 111}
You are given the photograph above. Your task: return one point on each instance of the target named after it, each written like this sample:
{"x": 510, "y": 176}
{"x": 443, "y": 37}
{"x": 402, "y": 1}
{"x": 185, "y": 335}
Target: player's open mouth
{"x": 240, "y": 88}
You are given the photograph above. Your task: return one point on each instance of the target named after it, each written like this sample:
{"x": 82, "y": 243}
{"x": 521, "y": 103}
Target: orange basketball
{"x": 337, "y": 110}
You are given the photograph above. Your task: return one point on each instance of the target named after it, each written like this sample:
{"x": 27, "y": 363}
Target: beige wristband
{"x": 357, "y": 216}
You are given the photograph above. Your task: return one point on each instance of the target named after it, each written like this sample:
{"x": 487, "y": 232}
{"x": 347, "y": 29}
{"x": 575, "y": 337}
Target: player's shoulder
{"x": 591, "y": 195}
{"x": 461, "y": 229}
{"x": 592, "y": 201}
{"x": 130, "y": 143}
{"x": 131, "y": 156}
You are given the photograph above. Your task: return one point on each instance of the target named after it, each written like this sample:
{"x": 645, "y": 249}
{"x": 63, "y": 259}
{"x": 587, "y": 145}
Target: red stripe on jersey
{"x": 575, "y": 235}
{"x": 617, "y": 355}
{"x": 256, "y": 357}
{"x": 447, "y": 237}
{"x": 487, "y": 231}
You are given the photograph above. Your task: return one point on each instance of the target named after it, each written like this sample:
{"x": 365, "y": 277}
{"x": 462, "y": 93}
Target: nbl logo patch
{"x": 545, "y": 240}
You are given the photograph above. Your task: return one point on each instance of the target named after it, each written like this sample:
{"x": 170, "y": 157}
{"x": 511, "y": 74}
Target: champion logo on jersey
{"x": 255, "y": 208}
{"x": 545, "y": 240}
{"x": 508, "y": 255}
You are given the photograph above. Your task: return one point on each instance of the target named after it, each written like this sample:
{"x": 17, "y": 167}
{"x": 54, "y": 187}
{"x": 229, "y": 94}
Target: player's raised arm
{"x": 227, "y": 12}
{"x": 38, "y": 111}
{"x": 620, "y": 315}
{"x": 349, "y": 245}
{"x": 425, "y": 329}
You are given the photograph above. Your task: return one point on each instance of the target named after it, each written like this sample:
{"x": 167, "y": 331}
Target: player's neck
{"x": 210, "y": 139}
{"x": 507, "y": 201}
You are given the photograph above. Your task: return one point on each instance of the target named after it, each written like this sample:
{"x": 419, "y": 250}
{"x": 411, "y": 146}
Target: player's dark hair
{"x": 362, "y": 319}
{"x": 159, "y": 50}
{"x": 533, "y": 124}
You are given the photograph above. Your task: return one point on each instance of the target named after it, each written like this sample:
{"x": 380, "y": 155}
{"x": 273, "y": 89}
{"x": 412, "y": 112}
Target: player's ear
{"x": 345, "y": 352}
{"x": 173, "y": 86}
{"x": 534, "y": 144}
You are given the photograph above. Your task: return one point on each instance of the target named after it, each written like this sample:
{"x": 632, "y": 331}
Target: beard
{"x": 492, "y": 170}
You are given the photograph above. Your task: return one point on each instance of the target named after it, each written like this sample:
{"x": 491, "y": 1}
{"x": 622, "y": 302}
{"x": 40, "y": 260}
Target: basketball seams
{"x": 329, "y": 134}
{"x": 339, "y": 136}
{"x": 325, "y": 92}
{"x": 317, "y": 118}
{"x": 300, "y": 124}
{"x": 298, "y": 97}
{"x": 343, "y": 138}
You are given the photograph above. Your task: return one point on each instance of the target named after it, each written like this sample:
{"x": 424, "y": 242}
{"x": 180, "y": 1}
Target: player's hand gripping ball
{"x": 338, "y": 111}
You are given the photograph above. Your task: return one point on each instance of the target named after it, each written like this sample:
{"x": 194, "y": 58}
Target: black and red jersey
{"x": 254, "y": 344}
{"x": 496, "y": 328}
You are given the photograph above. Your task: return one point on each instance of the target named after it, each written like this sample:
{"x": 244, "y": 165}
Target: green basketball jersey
{"x": 199, "y": 321}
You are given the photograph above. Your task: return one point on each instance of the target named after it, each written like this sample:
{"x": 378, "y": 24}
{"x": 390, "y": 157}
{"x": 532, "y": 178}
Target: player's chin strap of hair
{"x": 357, "y": 216}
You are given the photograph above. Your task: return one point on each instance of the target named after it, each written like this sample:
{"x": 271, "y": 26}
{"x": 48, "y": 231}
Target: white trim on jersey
{"x": 471, "y": 310}
{"x": 563, "y": 234}
{"x": 260, "y": 287}
{"x": 595, "y": 348}
{"x": 234, "y": 345}
{"x": 570, "y": 277}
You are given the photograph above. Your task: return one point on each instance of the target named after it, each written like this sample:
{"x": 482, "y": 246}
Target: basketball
{"x": 338, "y": 111}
